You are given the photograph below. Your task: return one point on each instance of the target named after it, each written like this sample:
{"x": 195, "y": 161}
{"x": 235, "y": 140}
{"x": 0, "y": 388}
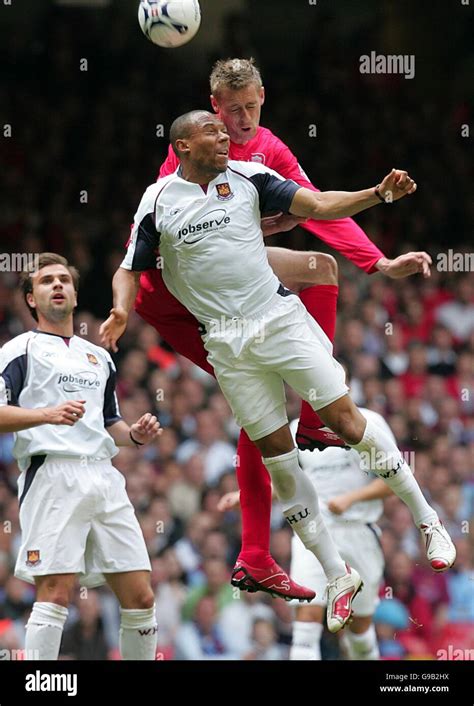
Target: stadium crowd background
{"x": 84, "y": 146}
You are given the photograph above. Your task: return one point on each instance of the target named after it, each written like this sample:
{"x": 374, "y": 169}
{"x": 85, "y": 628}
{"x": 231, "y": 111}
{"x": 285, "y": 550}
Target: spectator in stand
{"x": 458, "y": 315}
{"x": 200, "y": 637}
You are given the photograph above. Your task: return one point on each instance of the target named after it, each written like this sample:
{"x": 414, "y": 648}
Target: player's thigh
{"x": 305, "y": 359}
{"x": 297, "y": 269}
{"x": 115, "y": 543}
{"x": 256, "y": 396}
{"x": 175, "y": 324}
{"x": 55, "y": 520}
{"x": 183, "y": 336}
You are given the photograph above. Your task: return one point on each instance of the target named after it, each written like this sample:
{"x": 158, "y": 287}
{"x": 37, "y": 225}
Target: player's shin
{"x": 44, "y": 630}
{"x": 301, "y": 508}
{"x": 138, "y": 634}
{"x": 255, "y": 502}
{"x": 380, "y": 455}
{"x": 306, "y": 641}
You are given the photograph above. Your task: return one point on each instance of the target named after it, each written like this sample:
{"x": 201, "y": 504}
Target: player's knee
{"x": 144, "y": 599}
{"x": 53, "y": 590}
{"x": 326, "y": 270}
{"x": 317, "y": 268}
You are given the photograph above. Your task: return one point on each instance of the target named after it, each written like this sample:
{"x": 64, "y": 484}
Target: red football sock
{"x": 255, "y": 502}
{"x": 321, "y": 302}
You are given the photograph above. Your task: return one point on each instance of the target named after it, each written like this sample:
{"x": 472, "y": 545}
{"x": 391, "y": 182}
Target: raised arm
{"x": 376, "y": 490}
{"x": 343, "y": 234}
{"x": 340, "y": 204}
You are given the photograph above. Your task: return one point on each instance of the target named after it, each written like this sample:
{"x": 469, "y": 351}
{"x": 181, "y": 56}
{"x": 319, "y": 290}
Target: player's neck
{"x": 59, "y": 328}
{"x": 196, "y": 175}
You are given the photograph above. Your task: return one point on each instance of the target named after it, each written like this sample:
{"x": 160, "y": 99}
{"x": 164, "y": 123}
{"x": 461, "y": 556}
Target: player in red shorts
{"x": 237, "y": 95}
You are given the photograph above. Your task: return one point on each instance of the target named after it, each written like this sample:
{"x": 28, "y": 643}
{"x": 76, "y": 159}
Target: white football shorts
{"x": 252, "y": 358}
{"x": 359, "y": 546}
{"x": 76, "y": 517}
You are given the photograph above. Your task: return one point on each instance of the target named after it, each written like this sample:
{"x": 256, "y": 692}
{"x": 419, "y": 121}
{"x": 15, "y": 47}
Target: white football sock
{"x": 301, "y": 508}
{"x": 138, "y": 633}
{"x": 363, "y": 645}
{"x": 44, "y": 630}
{"x": 306, "y": 641}
{"x": 380, "y": 455}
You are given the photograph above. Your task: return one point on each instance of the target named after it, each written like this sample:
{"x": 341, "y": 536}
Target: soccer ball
{"x": 169, "y": 24}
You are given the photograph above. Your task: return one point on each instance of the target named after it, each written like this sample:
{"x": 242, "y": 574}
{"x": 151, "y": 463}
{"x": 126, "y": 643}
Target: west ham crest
{"x": 224, "y": 192}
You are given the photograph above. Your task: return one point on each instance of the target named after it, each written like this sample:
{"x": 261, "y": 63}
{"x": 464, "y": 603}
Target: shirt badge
{"x": 224, "y": 192}
{"x": 33, "y": 557}
{"x": 258, "y": 157}
{"x": 92, "y": 359}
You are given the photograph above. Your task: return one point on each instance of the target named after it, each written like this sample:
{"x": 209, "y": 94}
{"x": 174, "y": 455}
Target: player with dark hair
{"x": 237, "y": 97}
{"x": 57, "y": 394}
{"x": 204, "y": 218}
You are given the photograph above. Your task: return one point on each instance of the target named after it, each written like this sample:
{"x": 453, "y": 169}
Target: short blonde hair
{"x": 234, "y": 74}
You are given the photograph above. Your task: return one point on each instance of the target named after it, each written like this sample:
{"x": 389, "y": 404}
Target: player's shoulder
{"x": 17, "y": 346}
{"x": 247, "y": 169}
{"x": 154, "y": 190}
{"x": 267, "y": 137}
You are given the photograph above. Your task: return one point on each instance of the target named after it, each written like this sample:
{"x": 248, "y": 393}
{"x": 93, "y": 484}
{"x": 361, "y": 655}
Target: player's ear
{"x": 31, "y": 300}
{"x": 262, "y": 95}
{"x": 215, "y": 106}
{"x": 182, "y": 146}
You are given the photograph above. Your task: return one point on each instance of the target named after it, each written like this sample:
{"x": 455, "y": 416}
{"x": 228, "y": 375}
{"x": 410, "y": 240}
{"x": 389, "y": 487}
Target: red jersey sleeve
{"x": 343, "y": 234}
{"x": 170, "y": 164}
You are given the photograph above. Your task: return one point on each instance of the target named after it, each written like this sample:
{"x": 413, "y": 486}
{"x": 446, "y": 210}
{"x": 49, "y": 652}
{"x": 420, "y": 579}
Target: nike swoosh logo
{"x": 196, "y": 240}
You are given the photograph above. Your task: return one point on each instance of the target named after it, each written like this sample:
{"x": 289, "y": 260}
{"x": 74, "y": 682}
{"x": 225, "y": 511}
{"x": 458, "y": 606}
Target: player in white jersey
{"x": 351, "y": 504}
{"x": 205, "y": 219}
{"x": 57, "y": 393}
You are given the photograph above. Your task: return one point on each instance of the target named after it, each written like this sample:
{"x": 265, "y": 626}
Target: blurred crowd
{"x": 408, "y": 345}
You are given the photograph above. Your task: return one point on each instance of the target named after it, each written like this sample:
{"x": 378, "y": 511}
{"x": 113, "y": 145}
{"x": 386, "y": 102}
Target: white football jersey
{"x": 210, "y": 242}
{"x": 336, "y": 471}
{"x": 40, "y": 369}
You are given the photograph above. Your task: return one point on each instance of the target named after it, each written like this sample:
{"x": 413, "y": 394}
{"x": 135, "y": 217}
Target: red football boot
{"x": 272, "y": 580}
{"x": 309, "y": 438}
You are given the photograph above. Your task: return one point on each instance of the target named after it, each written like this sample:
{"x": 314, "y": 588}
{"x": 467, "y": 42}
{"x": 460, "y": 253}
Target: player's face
{"x": 208, "y": 145}
{"x": 53, "y": 293}
{"x": 240, "y": 110}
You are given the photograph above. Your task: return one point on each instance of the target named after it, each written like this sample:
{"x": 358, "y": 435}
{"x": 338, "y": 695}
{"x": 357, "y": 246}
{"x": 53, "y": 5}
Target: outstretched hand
{"x": 111, "y": 330}
{"x": 396, "y": 185}
{"x": 405, "y": 265}
{"x": 280, "y": 223}
{"x": 229, "y": 501}
{"x": 146, "y": 429}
